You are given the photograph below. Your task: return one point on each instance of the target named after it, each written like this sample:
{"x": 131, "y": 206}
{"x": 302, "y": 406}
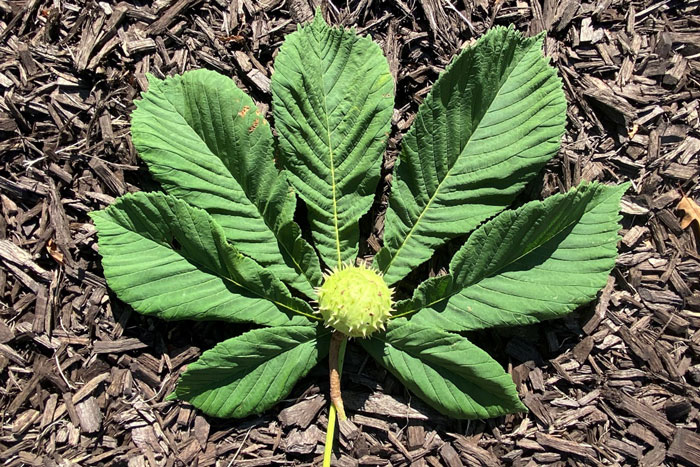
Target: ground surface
{"x": 82, "y": 378}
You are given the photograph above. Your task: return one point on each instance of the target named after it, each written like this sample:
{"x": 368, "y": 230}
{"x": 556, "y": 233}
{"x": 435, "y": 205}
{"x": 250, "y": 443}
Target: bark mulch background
{"x": 83, "y": 378}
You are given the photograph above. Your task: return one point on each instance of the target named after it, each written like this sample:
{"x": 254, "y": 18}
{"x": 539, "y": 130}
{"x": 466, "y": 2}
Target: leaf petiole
{"x": 336, "y": 357}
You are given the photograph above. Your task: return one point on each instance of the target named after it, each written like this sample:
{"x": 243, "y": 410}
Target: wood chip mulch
{"x": 83, "y": 378}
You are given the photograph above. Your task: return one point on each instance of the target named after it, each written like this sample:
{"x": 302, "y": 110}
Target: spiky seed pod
{"x": 355, "y": 300}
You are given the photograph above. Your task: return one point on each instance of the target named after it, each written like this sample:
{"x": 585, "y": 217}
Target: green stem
{"x": 336, "y": 357}
{"x": 330, "y": 432}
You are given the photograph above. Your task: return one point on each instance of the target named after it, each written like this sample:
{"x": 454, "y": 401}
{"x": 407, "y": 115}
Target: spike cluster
{"x": 355, "y": 300}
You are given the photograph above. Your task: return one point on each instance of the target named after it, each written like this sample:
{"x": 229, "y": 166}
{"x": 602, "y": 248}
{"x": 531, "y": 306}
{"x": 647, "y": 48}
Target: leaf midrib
{"x": 447, "y": 175}
{"x": 332, "y": 163}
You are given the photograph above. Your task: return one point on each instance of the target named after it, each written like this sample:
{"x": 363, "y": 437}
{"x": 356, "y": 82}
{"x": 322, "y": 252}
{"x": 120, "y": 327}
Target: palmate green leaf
{"x": 206, "y": 143}
{"x": 490, "y": 122}
{"x": 250, "y": 373}
{"x": 170, "y": 260}
{"x": 332, "y": 101}
{"x": 537, "y": 262}
{"x": 447, "y": 371}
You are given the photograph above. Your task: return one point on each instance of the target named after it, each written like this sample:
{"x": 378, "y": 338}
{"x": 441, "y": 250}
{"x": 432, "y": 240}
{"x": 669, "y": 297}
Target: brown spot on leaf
{"x": 244, "y": 111}
{"x": 254, "y": 125}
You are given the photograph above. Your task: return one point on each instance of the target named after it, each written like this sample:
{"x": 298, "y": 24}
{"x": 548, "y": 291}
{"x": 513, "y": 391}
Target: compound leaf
{"x": 537, "y": 262}
{"x": 332, "y": 103}
{"x": 168, "y": 259}
{"x": 490, "y": 122}
{"x": 447, "y": 371}
{"x": 250, "y": 373}
{"x": 206, "y": 143}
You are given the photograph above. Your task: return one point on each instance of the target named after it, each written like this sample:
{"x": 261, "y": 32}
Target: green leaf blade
{"x": 250, "y": 373}
{"x": 332, "y": 103}
{"x": 206, "y": 143}
{"x": 489, "y": 124}
{"x": 538, "y": 262}
{"x": 172, "y": 261}
{"x": 447, "y": 371}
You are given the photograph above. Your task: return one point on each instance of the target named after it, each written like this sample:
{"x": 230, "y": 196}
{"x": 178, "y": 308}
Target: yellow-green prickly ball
{"x": 355, "y": 300}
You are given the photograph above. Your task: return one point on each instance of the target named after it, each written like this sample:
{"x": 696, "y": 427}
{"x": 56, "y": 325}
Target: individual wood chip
{"x": 107, "y": 176}
{"x": 546, "y": 457}
{"x": 415, "y": 437}
{"x": 25, "y": 420}
{"x": 6, "y": 333}
{"x": 536, "y": 378}
{"x": 478, "y": 455}
{"x": 302, "y": 413}
{"x": 188, "y": 450}
{"x": 381, "y": 404}
{"x": 626, "y": 448}
{"x": 633, "y": 235}
{"x": 589, "y": 33}
{"x": 654, "y": 457}
{"x": 118, "y": 346}
{"x": 613, "y": 106}
{"x": 162, "y": 23}
{"x": 534, "y": 403}
{"x": 29, "y": 387}
{"x": 49, "y": 410}
{"x": 565, "y": 446}
{"x": 145, "y": 438}
{"x": 640, "y": 410}
{"x": 12, "y": 253}
{"x": 639, "y": 431}
{"x": 349, "y": 432}
{"x": 679, "y": 171}
{"x": 261, "y": 81}
{"x": 25, "y": 57}
{"x": 11, "y": 354}
{"x": 304, "y": 442}
{"x": 685, "y": 446}
{"x": 60, "y": 223}
{"x": 89, "y": 415}
{"x": 398, "y": 445}
{"x": 450, "y": 456}
{"x": 89, "y": 387}
{"x": 201, "y": 430}
{"x": 365, "y": 460}
{"x": 530, "y": 444}
{"x": 139, "y": 46}
{"x": 137, "y": 461}
{"x": 347, "y": 461}
{"x": 106, "y": 128}
{"x": 583, "y": 349}
{"x": 242, "y": 60}
{"x": 373, "y": 422}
